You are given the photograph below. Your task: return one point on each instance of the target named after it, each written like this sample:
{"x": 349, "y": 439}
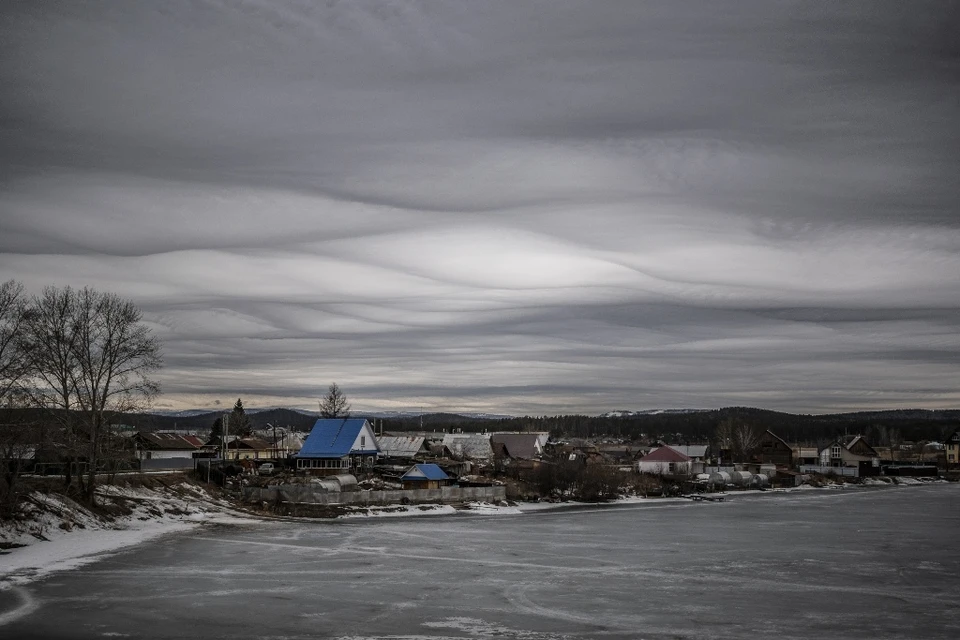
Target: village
{"x": 348, "y": 462}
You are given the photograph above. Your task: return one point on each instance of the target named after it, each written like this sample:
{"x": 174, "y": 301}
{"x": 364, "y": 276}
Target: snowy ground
{"x": 61, "y": 534}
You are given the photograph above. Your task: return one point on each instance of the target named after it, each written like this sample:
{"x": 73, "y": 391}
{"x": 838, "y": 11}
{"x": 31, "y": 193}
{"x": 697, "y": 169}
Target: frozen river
{"x": 867, "y": 563}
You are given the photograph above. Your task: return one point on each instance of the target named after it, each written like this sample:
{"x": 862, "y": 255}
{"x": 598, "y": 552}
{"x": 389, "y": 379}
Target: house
{"x": 289, "y": 444}
{"x": 851, "y": 453}
{"x": 665, "y": 461}
{"x": 157, "y": 446}
{"x": 250, "y": 449}
{"x": 952, "y": 449}
{"x": 424, "y": 476}
{"x": 806, "y": 455}
{"x": 402, "y": 447}
{"x": 617, "y": 453}
{"x": 339, "y": 445}
{"x": 471, "y": 446}
{"x": 697, "y": 454}
{"x": 773, "y": 450}
{"x": 517, "y": 446}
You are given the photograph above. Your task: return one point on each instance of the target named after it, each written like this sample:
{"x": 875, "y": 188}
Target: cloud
{"x": 555, "y": 206}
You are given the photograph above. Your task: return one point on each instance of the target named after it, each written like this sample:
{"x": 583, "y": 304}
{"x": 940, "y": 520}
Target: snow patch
{"x": 58, "y": 534}
{"x": 400, "y": 511}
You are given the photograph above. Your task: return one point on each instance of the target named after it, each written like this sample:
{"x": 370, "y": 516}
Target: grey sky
{"x": 505, "y": 206}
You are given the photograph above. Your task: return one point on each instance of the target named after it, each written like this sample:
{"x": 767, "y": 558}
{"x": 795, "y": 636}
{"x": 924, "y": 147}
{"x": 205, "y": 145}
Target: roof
{"x": 425, "y": 472}
{"x": 665, "y": 454}
{"x": 165, "y": 441}
{"x": 255, "y": 444}
{"x": 524, "y": 446}
{"x": 469, "y": 445}
{"x": 691, "y": 450}
{"x": 400, "y": 446}
{"x": 291, "y": 441}
{"x": 771, "y": 434}
{"x": 333, "y": 438}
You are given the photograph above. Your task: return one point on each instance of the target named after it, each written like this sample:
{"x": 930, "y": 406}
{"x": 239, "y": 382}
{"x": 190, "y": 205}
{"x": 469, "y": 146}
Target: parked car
{"x": 266, "y": 469}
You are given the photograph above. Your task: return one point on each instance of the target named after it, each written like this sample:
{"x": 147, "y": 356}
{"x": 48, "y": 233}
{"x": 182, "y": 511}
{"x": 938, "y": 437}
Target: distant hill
{"x": 669, "y": 424}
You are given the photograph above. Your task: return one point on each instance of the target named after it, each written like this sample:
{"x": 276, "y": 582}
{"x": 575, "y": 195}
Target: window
{"x": 363, "y": 442}
{"x": 835, "y": 451}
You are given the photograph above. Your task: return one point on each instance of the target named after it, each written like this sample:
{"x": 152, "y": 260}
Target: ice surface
{"x": 856, "y": 563}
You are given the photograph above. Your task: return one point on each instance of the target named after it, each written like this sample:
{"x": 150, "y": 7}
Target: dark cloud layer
{"x": 503, "y": 206}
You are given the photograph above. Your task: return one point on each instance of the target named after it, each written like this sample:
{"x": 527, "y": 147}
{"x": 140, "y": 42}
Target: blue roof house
{"x": 424, "y": 476}
{"x": 338, "y": 445}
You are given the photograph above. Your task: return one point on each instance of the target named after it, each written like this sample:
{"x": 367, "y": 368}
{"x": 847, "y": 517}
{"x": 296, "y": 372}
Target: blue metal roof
{"x": 425, "y": 472}
{"x": 333, "y": 438}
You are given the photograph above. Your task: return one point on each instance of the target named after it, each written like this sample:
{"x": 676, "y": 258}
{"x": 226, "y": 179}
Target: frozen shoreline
{"x": 64, "y": 535}
{"x": 156, "y": 514}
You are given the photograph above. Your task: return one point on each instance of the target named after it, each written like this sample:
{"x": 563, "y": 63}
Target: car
{"x": 266, "y": 469}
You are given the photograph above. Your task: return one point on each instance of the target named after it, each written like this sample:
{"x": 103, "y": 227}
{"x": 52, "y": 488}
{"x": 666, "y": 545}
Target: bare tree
{"x": 334, "y": 404}
{"x": 738, "y": 437}
{"x": 16, "y": 441}
{"x": 48, "y": 338}
{"x": 115, "y": 352}
{"x": 91, "y": 356}
{"x": 12, "y": 365}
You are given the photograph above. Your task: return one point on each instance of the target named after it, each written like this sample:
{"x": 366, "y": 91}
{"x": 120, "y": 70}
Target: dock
{"x": 699, "y": 497}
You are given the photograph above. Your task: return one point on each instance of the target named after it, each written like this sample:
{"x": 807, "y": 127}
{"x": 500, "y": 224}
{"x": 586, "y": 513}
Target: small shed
{"x": 425, "y": 476}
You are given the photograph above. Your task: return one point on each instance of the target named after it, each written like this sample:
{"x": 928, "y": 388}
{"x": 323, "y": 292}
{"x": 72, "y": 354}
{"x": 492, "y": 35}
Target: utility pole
{"x": 226, "y": 431}
{"x": 275, "y": 452}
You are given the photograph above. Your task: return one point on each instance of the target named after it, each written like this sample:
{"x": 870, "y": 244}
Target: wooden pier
{"x": 699, "y": 497}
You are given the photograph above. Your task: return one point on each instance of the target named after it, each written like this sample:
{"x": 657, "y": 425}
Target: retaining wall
{"x": 307, "y": 494}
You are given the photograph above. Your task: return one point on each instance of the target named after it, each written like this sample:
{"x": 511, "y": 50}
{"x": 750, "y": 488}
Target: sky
{"x": 514, "y": 207}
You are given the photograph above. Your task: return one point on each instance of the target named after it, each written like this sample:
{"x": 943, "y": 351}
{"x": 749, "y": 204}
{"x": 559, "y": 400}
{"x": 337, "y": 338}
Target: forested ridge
{"x": 913, "y": 424}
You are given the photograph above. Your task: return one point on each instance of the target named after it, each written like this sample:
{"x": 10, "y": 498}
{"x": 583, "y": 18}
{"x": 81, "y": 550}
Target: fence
{"x": 157, "y": 464}
{"x": 306, "y": 494}
{"x": 851, "y": 472}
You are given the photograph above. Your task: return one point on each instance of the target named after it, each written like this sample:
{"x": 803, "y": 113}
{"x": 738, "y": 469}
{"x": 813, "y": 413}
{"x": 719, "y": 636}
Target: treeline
{"x": 883, "y": 427}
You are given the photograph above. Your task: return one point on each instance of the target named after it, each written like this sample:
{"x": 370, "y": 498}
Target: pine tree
{"x": 334, "y": 404}
{"x": 239, "y": 422}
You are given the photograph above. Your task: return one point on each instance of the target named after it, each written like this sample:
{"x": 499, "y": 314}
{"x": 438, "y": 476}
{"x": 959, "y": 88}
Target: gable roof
{"x": 691, "y": 450}
{"x": 771, "y": 435}
{"x": 425, "y": 472}
{"x": 469, "y": 445}
{"x": 862, "y": 442}
{"x": 255, "y": 444}
{"x": 400, "y": 446}
{"x": 665, "y": 454}
{"x": 523, "y": 446}
{"x": 334, "y": 438}
{"x": 165, "y": 441}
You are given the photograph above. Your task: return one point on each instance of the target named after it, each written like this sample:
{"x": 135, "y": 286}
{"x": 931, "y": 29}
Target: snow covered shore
{"x": 58, "y": 534}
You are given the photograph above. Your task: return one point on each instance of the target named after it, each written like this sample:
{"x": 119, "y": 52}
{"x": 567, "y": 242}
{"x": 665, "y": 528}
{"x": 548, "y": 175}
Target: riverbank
{"x": 55, "y": 533}
{"x": 876, "y": 562}
{"x": 58, "y": 534}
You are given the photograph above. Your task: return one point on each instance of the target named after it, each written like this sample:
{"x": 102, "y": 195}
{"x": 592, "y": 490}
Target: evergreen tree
{"x": 239, "y": 424}
{"x": 334, "y": 404}
{"x": 216, "y": 429}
